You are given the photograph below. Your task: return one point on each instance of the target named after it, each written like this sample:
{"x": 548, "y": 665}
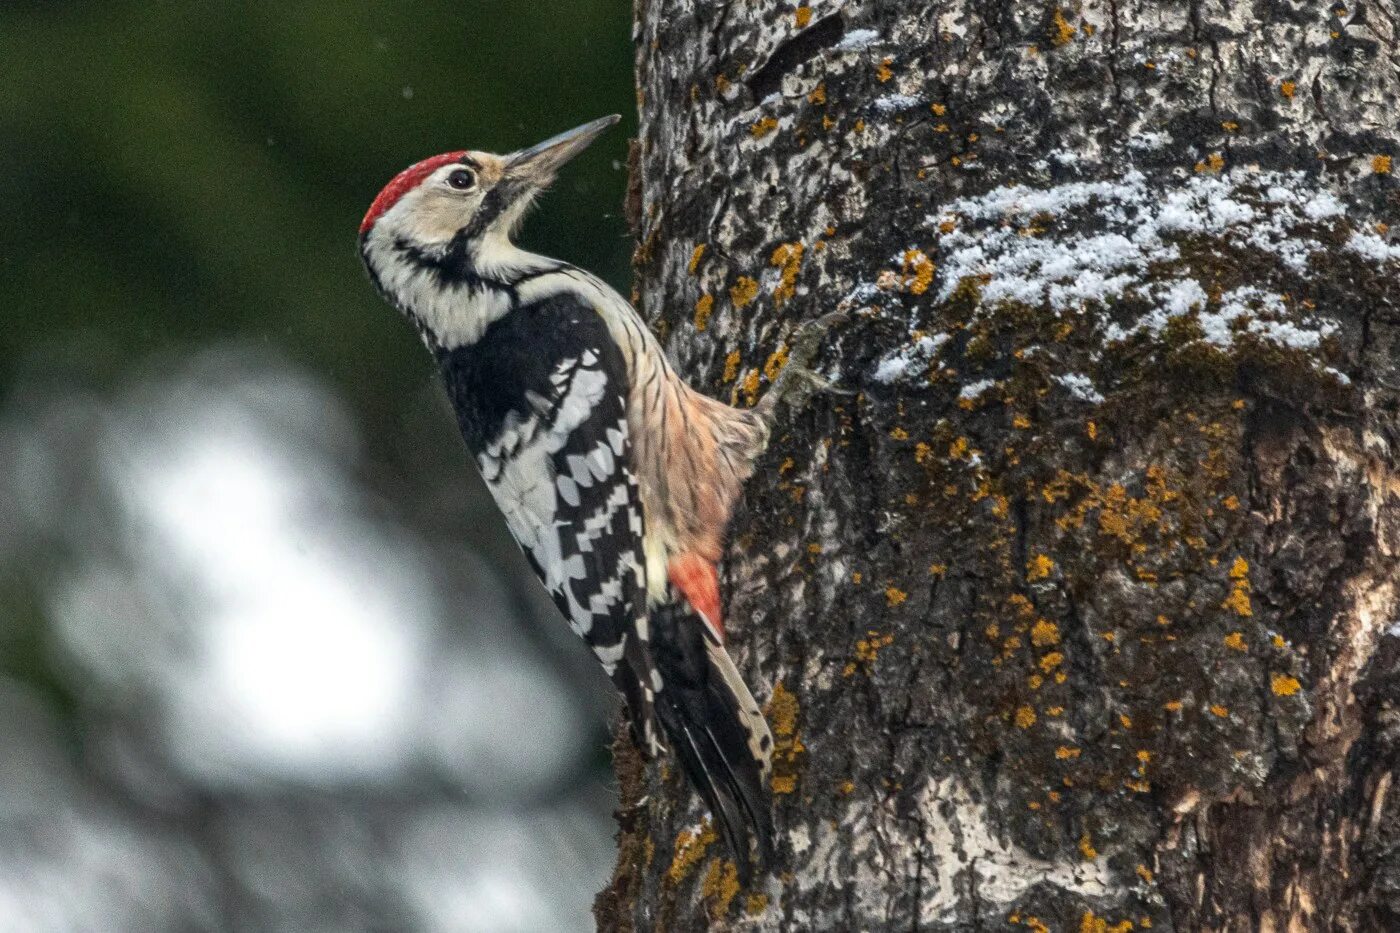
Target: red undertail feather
{"x": 698, "y": 582}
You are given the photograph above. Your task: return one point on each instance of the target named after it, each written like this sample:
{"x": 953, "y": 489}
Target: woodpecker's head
{"x": 466, "y": 200}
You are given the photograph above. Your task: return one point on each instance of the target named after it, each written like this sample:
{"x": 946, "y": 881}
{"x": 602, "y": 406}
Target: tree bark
{"x": 1076, "y": 616}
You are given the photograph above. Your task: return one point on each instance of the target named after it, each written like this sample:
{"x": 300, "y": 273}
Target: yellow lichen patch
{"x": 1051, "y": 661}
{"x": 1039, "y": 567}
{"x": 694, "y": 263}
{"x": 1086, "y": 848}
{"x": 818, "y": 94}
{"x": 1090, "y": 923}
{"x": 763, "y": 127}
{"x": 958, "y": 448}
{"x": 938, "y": 570}
{"x": 1217, "y": 710}
{"x": 1061, "y": 32}
{"x": 1172, "y": 706}
{"x": 750, "y": 387}
{"x": 899, "y": 434}
{"x": 868, "y": 651}
{"x": 781, "y": 712}
{"x": 894, "y": 596}
{"x": 802, "y": 16}
{"x": 1045, "y": 633}
{"x": 786, "y": 465}
{"x": 731, "y": 366}
{"x": 704, "y": 307}
{"x": 743, "y": 291}
{"x": 883, "y": 72}
{"x": 1024, "y": 717}
{"x": 1288, "y": 88}
{"x": 1229, "y": 126}
{"x": 922, "y": 452}
{"x": 1144, "y": 873}
{"x": 756, "y": 904}
{"x": 917, "y": 272}
{"x": 1065, "y": 752}
{"x": 1212, "y": 163}
{"x": 846, "y": 788}
{"x": 938, "y": 111}
{"x": 1020, "y": 422}
{"x": 1092, "y": 430}
{"x": 690, "y": 849}
{"x": 1235, "y": 641}
{"x": 856, "y": 578}
{"x": 1231, "y": 503}
{"x": 775, "y": 363}
{"x": 1381, "y": 164}
{"x": 1238, "y": 600}
{"x": 1283, "y": 685}
{"x": 721, "y": 885}
{"x": 788, "y": 258}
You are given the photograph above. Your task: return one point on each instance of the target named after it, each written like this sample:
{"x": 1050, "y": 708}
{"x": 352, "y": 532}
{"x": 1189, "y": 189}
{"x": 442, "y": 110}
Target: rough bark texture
{"x": 1076, "y": 617}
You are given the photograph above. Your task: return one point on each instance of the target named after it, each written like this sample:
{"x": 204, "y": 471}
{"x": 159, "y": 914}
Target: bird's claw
{"x": 798, "y": 382}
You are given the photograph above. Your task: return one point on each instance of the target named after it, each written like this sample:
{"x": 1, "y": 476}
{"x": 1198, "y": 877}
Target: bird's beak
{"x": 539, "y": 163}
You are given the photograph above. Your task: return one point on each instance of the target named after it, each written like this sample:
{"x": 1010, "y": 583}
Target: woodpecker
{"x": 616, "y": 478}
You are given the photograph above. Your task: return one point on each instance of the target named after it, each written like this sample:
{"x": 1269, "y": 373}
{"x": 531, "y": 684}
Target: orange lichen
{"x": 938, "y": 570}
{"x": 690, "y": 850}
{"x": 775, "y": 363}
{"x": 1238, "y": 601}
{"x": 694, "y": 263}
{"x": 1025, "y": 717}
{"x": 802, "y": 16}
{"x": 750, "y": 387}
{"x": 883, "y": 72}
{"x": 788, "y": 258}
{"x": 1235, "y": 640}
{"x": 916, "y": 275}
{"x": 731, "y": 366}
{"x": 938, "y": 111}
{"x": 781, "y": 711}
{"x": 1283, "y": 685}
{"x": 763, "y": 127}
{"x": 1062, "y": 33}
{"x": 1212, "y": 163}
{"x": 1144, "y": 873}
{"x": 704, "y": 307}
{"x": 1381, "y": 164}
{"x": 1086, "y": 848}
{"x": 818, "y": 94}
{"x": 1217, "y": 710}
{"x": 756, "y": 904}
{"x": 899, "y": 434}
{"x": 894, "y": 596}
{"x": 1288, "y": 88}
{"x": 922, "y": 452}
{"x": 743, "y": 291}
{"x": 1045, "y": 633}
{"x": 1039, "y": 567}
{"x": 721, "y": 885}
{"x": 1229, "y": 126}
{"x": 1065, "y": 752}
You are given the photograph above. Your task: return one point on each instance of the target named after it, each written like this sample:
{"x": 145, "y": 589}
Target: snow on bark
{"x": 1075, "y": 616}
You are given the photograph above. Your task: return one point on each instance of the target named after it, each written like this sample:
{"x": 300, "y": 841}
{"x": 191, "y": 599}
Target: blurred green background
{"x": 182, "y": 184}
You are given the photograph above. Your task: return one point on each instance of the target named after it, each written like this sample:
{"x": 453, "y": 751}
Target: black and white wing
{"x": 550, "y": 436}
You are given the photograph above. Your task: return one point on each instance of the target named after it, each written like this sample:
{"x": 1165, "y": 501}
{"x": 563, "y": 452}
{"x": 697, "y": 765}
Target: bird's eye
{"x": 462, "y": 179}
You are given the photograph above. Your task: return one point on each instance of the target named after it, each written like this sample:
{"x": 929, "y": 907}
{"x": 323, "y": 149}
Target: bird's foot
{"x": 798, "y": 382}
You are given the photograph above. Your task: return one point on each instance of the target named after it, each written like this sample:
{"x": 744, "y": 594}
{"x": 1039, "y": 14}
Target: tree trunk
{"x": 1076, "y": 616}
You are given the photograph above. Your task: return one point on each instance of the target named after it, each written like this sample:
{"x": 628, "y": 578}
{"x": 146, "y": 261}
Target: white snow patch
{"x": 891, "y": 103}
{"x": 856, "y": 39}
{"x": 995, "y": 239}
{"x": 1373, "y": 247}
{"x": 1080, "y": 386}
{"x": 974, "y": 389}
{"x": 909, "y": 361}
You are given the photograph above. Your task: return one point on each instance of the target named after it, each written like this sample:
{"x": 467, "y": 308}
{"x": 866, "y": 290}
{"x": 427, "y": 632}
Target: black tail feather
{"x": 701, "y": 717}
